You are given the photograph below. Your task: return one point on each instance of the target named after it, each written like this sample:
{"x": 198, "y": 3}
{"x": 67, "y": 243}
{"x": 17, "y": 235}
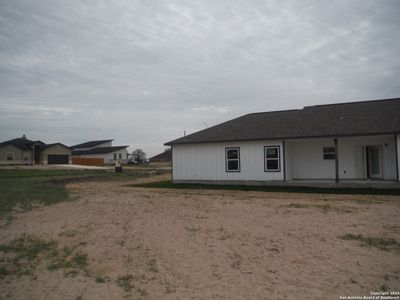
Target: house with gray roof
{"x": 102, "y": 149}
{"x": 343, "y": 142}
{"x": 22, "y": 151}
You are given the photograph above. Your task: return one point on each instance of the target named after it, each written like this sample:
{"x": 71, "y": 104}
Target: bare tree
{"x": 138, "y": 156}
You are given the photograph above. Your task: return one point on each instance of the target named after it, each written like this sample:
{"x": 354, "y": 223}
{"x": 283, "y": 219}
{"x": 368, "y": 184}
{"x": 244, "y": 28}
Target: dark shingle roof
{"x": 354, "y": 118}
{"x": 89, "y": 144}
{"x": 100, "y": 150}
{"x": 165, "y": 156}
{"x": 22, "y": 143}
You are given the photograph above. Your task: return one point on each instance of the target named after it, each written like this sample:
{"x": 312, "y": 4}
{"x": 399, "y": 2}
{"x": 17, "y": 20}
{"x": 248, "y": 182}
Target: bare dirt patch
{"x": 199, "y": 244}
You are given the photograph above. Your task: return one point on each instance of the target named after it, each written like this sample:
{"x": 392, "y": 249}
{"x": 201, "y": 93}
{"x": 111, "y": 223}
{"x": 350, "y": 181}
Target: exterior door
{"x": 374, "y": 166}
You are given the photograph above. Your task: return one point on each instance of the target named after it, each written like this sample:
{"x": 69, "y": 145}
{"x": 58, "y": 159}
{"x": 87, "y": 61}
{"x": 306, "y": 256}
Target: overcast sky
{"x": 142, "y": 72}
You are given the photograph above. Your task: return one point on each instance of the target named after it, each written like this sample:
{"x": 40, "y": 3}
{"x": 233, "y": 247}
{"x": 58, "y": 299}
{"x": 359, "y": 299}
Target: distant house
{"x": 102, "y": 149}
{"x": 165, "y": 157}
{"x": 21, "y": 151}
{"x": 357, "y": 141}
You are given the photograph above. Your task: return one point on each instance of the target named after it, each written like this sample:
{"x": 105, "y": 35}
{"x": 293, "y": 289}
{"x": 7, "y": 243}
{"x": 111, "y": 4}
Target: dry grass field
{"x": 115, "y": 241}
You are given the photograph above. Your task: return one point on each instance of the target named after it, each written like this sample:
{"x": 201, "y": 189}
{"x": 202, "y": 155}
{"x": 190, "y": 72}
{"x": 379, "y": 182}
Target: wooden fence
{"x": 88, "y": 161}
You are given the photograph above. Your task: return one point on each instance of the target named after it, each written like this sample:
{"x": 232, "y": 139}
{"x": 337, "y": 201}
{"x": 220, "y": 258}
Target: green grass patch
{"x": 283, "y": 189}
{"x": 386, "y": 244}
{"x": 22, "y": 255}
{"x": 29, "y": 188}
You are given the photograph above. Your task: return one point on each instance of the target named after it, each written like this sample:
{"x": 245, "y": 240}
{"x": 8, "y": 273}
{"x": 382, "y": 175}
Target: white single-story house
{"x": 22, "y": 151}
{"x": 358, "y": 141}
{"x": 101, "y": 149}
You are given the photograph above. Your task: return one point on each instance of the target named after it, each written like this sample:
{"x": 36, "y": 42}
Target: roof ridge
{"x": 363, "y": 117}
{"x": 317, "y": 105}
{"x": 352, "y": 102}
{"x": 273, "y": 111}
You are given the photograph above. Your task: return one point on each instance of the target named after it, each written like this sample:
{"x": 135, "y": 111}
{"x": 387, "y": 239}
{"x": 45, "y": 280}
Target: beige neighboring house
{"x": 21, "y": 151}
{"x": 101, "y": 149}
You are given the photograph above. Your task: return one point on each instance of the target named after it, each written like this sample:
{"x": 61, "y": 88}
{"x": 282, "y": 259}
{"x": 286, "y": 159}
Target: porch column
{"x": 284, "y": 160}
{"x": 336, "y": 160}
{"x": 397, "y": 149}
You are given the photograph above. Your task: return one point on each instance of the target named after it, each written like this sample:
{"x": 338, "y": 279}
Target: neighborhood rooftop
{"x": 90, "y": 144}
{"x": 99, "y": 150}
{"x": 164, "y": 156}
{"x": 22, "y": 143}
{"x": 342, "y": 119}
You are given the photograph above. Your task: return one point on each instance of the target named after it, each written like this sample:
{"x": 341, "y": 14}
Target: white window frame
{"x": 12, "y": 156}
{"x": 328, "y": 151}
{"x": 266, "y": 159}
{"x": 227, "y": 160}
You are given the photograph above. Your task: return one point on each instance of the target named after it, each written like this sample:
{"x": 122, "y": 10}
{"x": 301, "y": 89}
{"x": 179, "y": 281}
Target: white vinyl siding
{"x": 207, "y": 161}
{"x": 352, "y": 160}
{"x": 305, "y": 158}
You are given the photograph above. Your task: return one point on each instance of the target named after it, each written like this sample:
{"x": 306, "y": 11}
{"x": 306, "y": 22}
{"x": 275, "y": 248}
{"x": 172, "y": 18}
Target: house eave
{"x": 280, "y": 138}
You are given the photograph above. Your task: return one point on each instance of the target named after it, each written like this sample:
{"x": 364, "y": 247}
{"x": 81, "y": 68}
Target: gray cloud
{"x": 142, "y": 72}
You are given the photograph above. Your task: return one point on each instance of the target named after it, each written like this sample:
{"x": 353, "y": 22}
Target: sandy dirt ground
{"x": 199, "y": 244}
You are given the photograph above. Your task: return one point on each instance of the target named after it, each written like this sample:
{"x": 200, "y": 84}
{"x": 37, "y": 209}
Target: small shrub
{"x": 383, "y": 288}
{"x": 80, "y": 260}
{"x": 3, "y": 272}
{"x": 100, "y": 279}
{"x": 236, "y": 260}
{"x": 152, "y": 265}
{"x": 125, "y": 282}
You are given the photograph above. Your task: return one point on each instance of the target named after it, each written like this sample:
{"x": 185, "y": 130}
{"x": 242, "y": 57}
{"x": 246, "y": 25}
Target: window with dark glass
{"x": 115, "y": 156}
{"x": 9, "y": 156}
{"x": 329, "y": 152}
{"x": 272, "y": 159}
{"x": 232, "y": 159}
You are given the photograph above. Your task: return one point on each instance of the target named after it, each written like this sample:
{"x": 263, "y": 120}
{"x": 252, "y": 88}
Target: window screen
{"x": 232, "y": 159}
{"x": 272, "y": 161}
